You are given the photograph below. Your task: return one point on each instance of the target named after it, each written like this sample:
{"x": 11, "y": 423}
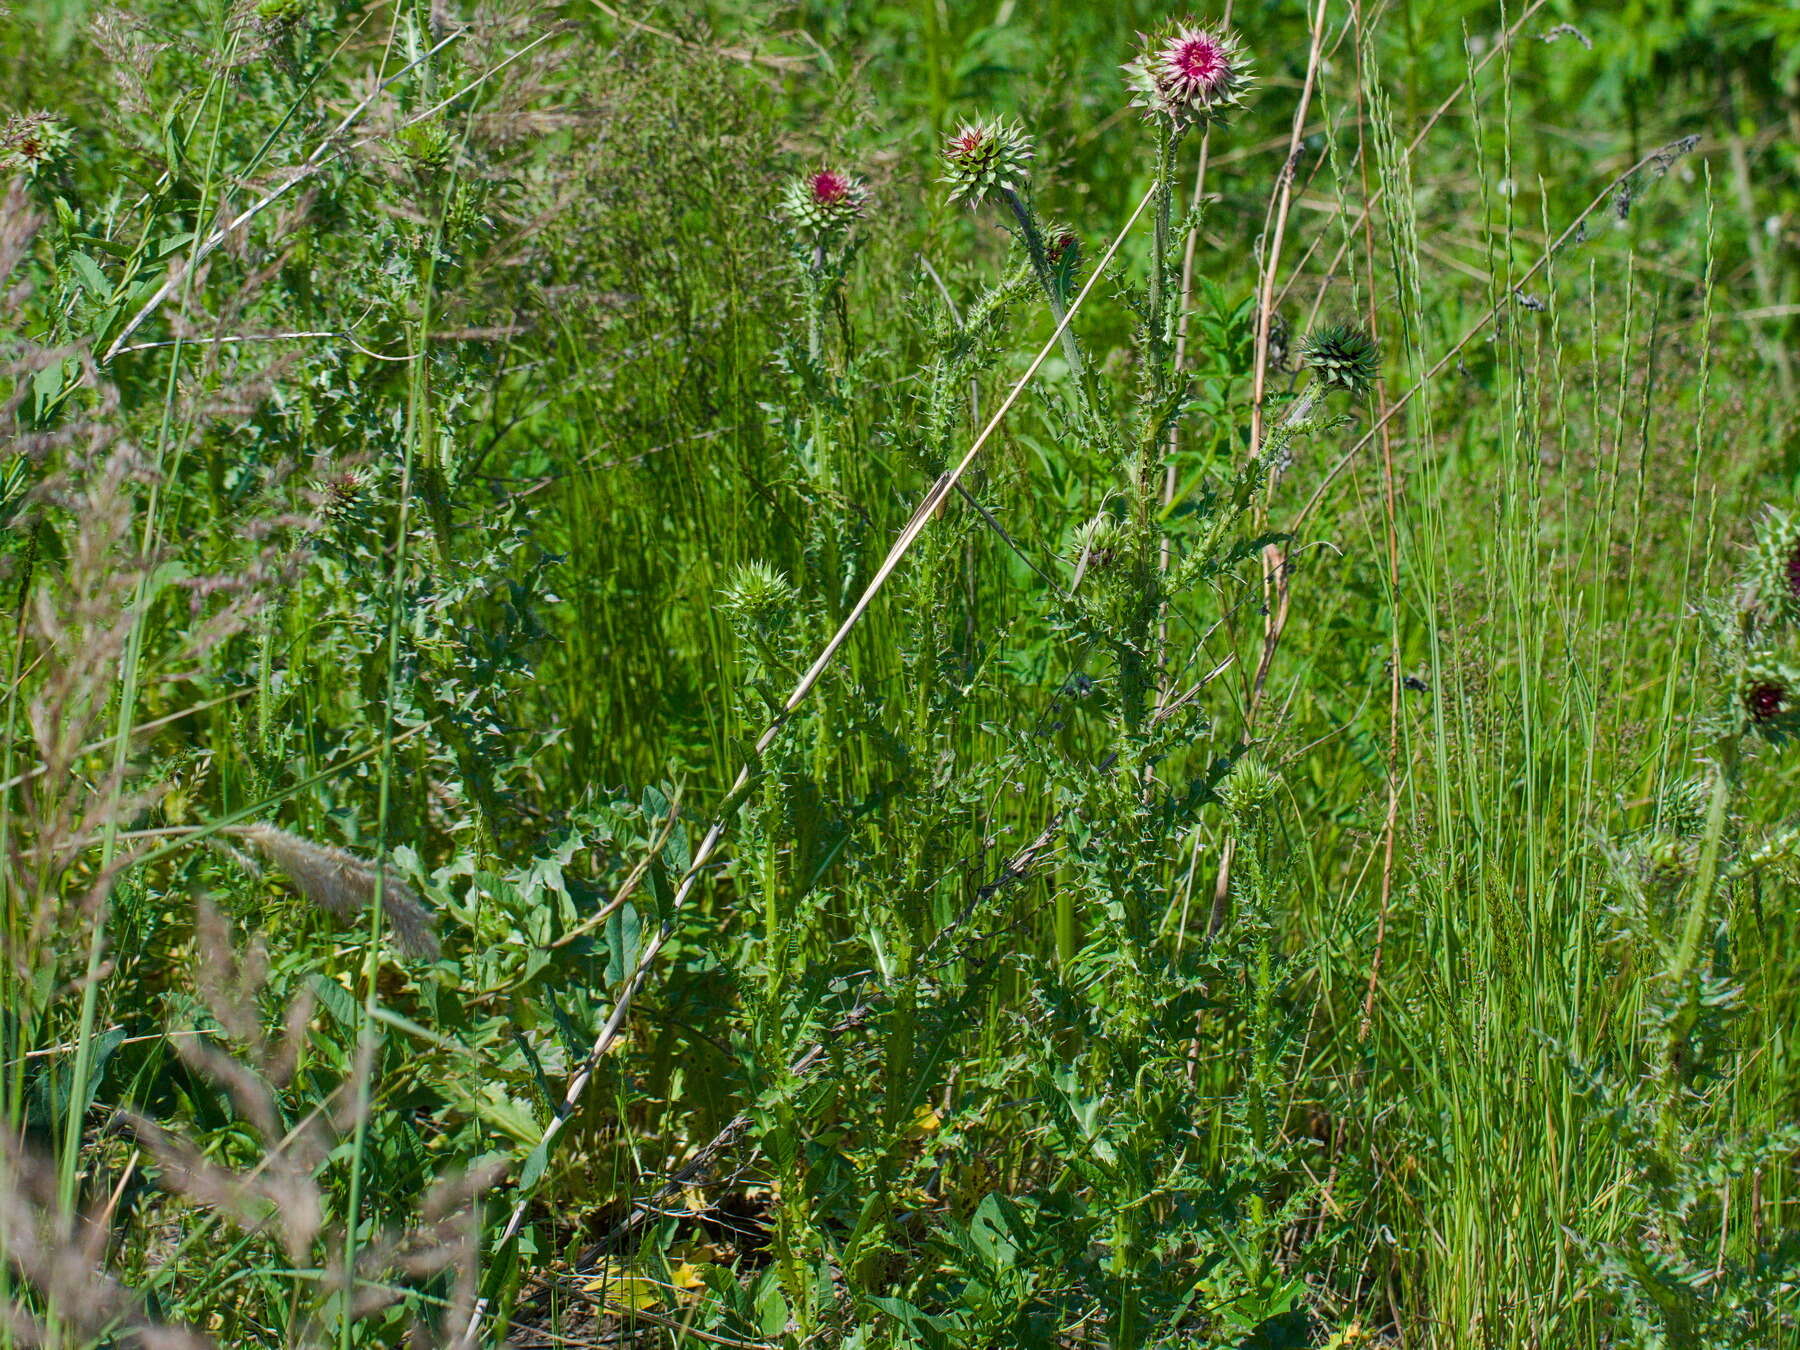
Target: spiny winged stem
{"x": 1160, "y": 300}
{"x": 829, "y": 545}
{"x": 1684, "y": 986}
{"x": 1033, "y": 235}
{"x": 1138, "y": 656}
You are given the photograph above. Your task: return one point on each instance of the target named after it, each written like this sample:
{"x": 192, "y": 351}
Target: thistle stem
{"x": 1040, "y": 265}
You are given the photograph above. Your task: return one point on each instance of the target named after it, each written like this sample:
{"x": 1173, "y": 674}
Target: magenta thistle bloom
{"x": 984, "y": 157}
{"x": 1188, "y": 73}
{"x": 824, "y": 202}
{"x": 1769, "y": 692}
{"x": 1765, "y": 699}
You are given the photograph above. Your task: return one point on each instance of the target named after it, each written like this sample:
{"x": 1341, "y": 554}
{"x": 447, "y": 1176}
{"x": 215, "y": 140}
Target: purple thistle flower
{"x": 1768, "y": 691}
{"x": 1188, "y": 73}
{"x": 824, "y": 202}
{"x": 1765, "y": 700}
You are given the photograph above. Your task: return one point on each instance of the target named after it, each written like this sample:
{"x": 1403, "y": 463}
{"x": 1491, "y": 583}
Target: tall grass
{"x": 600, "y": 746}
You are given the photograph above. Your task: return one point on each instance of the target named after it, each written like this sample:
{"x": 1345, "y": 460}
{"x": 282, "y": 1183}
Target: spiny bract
{"x": 1189, "y": 73}
{"x": 1342, "y": 356}
{"x": 986, "y": 156}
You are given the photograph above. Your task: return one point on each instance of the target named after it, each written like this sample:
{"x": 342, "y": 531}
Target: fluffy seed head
{"x": 1189, "y": 73}
{"x": 1342, "y": 357}
{"x": 1775, "y": 567}
{"x": 986, "y": 157}
{"x": 345, "y": 885}
{"x": 824, "y": 202}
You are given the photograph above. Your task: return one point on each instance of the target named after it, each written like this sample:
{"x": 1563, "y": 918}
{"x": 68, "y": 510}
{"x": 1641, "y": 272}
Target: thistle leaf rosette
{"x": 986, "y": 157}
{"x": 1188, "y": 73}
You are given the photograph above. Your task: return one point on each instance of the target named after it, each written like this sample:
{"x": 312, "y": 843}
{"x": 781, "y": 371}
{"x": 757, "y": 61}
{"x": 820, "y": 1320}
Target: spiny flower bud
{"x": 759, "y": 597}
{"x": 1098, "y": 543}
{"x": 33, "y": 143}
{"x": 1667, "y": 864}
{"x": 1188, "y": 73}
{"x": 1062, "y": 246}
{"x": 1246, "y": 791}
{"x": 1342, "y": 357}
{"x": 1684, "y": 805}
{"x": 1769, "y": 694}
{"x": 1775, "y": 568}
{"x": 428, "y": 146}
{"x": 824, "y": 202}
{"x": 986, "y": 157}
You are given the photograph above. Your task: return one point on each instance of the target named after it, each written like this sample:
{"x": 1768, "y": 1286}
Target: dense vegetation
{"x": 793, "y": 675}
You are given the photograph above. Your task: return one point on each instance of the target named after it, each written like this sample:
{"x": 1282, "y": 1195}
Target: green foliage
{"x": 439, "y": 443}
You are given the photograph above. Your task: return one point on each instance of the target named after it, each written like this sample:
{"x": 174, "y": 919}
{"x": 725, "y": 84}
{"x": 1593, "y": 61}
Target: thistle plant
{"x": 1675, "y": 1277}
{"x": 990, "y": 160}
{"x": 822, "y": 209}
{"x": 1128, "y": 986}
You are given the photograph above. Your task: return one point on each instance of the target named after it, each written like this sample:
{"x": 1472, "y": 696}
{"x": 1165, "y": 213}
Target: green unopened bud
{"x": 1248, "y": 789}
{"x": 1684, "y": 805}
{"x": 1342, "y": 357}
{"x": 1668, "y": 864}
{"x": 427, "y": 146}
{"x": 759, "y": 598}
{"x": 281, "y": 13}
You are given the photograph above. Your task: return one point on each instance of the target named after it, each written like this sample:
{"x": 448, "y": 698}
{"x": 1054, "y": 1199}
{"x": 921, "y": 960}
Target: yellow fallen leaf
{"x": 620, "y": 1289}
{"x": 924, "y": 1121}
